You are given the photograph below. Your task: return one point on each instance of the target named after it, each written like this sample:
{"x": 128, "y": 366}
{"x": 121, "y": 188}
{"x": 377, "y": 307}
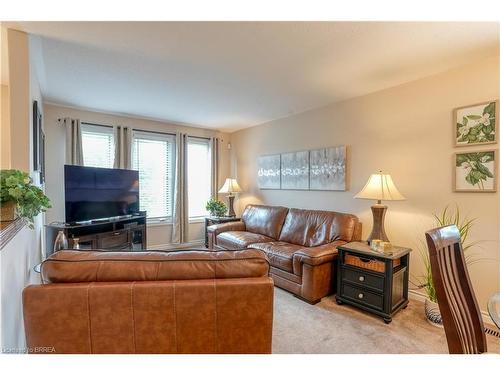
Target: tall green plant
{"x": 16, "y": 186}
{"x": 464, "y": 225}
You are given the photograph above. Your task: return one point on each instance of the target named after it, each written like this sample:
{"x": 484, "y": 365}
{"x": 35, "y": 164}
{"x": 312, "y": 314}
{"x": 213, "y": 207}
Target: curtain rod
{"x": 89, "y": 123}
{"x": 152, "y": 131}
{"x": 165, "y": 133}
{"x": 140, "y": 130}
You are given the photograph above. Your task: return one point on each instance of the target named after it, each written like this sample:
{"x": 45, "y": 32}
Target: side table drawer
{"x": 362, "y": 296}
{"x": 363, "y": 278}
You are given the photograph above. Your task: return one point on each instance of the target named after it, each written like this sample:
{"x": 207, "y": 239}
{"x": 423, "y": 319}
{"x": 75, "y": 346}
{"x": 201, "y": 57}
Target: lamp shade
{"x": 380, "y": 187}
{"x": 230, "y": 186}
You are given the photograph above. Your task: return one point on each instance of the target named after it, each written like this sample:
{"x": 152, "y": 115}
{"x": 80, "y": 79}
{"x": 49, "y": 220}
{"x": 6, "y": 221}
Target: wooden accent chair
{"x": 462, "y": 320}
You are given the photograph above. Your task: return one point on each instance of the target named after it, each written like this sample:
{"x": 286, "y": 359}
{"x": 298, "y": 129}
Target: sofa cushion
{"x": 237, "y": 240}
{"x": 314, "y": 228}
{"x": 265, "y": 220}
{"x": 280, "y": 254}
{"x": 70, "y": 266}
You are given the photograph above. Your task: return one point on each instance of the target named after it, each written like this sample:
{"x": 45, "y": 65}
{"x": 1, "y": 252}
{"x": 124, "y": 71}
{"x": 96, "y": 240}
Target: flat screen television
{"x": 99, "y": 193}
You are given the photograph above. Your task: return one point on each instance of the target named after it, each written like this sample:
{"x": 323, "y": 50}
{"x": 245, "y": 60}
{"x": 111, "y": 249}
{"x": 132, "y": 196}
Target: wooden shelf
{"x": 8, "y": 230}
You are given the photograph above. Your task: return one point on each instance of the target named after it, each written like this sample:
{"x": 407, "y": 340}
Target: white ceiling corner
{"x": 231, "y": 75}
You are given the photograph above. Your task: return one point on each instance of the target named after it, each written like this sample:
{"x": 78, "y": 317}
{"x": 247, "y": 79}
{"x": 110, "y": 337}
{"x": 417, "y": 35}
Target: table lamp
{"x": 230, "y": 186}
{"x": 380, "y": 188}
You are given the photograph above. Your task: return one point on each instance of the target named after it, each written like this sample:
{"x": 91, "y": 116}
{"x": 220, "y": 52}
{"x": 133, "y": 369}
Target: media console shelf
{"x": 125, "y": 234}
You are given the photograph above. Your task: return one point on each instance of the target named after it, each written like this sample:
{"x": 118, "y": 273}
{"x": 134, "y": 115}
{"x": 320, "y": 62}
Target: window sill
{"x": 197, "y": 220}
{"x": 158, "y": 222}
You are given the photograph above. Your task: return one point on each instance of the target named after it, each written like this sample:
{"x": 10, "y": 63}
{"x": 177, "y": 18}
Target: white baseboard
{"x": 185, "y": 245}
{"x": 419, "y": 296}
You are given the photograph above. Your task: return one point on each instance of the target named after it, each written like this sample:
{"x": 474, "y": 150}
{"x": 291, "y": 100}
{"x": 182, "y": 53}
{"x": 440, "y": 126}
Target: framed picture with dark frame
{"x": 41, "y": 156}
{"x": 37, "y": 125}
{"x": 38, "y": 142}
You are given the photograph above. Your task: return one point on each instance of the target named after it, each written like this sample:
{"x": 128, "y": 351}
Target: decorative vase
{"x": 8, "y": 211}
{"x": 61, "y": 242}
{"x": 433, "y": 314}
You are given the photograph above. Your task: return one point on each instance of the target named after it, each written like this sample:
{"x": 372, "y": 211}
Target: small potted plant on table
{"x": 216, "y": 208}
{"x": 20, "y": 198}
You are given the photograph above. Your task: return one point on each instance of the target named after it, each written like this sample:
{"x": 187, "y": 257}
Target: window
{"x": 199, "y": 173}
{"x": 98, "y": 146}
{"x": 153, "y": 156}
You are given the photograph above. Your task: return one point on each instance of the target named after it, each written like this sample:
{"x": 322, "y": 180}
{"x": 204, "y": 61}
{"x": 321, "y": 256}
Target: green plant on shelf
{"x": 216, "y": 208}
{"x": 17, "y": 187}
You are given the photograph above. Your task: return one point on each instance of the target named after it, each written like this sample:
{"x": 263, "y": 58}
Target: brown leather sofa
{"x": 151, "y": 302}
{"x": 301, "y": 245}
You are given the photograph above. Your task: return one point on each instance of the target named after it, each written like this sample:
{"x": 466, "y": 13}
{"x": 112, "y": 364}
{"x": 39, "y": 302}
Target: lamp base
{"x": 378, "y": 231}
{"x": 231, "y": 212}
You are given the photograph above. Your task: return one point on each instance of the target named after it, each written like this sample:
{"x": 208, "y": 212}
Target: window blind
{"x": 98, "y": 146}
{"x": 199, "y": 171}
{"x": 153, "y": 156}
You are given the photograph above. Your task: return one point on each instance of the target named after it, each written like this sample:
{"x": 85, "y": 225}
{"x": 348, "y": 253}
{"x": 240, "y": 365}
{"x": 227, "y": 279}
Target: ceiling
{"x": 232, "y": 75}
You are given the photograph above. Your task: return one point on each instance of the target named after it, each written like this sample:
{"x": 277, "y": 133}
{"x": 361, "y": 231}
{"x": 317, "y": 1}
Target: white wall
{"x": 17, "y": 260}
{"x": 23, "y": 252}
{"x": 405, "y": 131}
{"x": 5, "y": 128}
{"x": 157, "y": 234}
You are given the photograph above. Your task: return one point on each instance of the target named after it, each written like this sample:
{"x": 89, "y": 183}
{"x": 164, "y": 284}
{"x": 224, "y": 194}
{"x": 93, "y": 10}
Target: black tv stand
{"x": 114, "y": 234}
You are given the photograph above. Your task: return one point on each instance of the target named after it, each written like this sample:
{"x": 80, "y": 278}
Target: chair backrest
{"x": 462, "y": 320}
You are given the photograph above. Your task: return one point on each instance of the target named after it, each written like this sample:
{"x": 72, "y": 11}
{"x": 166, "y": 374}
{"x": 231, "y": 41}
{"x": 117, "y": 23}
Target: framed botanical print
{"x": 476, "y": 124}
{"x": 475, "y": 171}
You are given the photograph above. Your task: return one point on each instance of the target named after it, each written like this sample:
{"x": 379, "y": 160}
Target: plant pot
{"x": 8, "y": 211}
{"x": 433, "y": 314}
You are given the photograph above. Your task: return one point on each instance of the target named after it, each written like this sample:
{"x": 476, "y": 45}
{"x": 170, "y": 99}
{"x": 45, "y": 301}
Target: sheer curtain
{"x": 74, "y": 151}
{"x": 123, "y": 147}
{"x": 180, "y": 213}
{"x": 214, "y": 149}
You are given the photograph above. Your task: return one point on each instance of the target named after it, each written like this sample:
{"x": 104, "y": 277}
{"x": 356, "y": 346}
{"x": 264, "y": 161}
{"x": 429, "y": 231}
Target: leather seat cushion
{"x": 314, "y": 228}
{"x": 280, "y": 254}
{"x": 237, "y": 240}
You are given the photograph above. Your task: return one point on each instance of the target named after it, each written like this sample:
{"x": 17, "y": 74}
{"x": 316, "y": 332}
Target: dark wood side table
{"x": 217, "y": 220}
{"x": 374, "y": 281}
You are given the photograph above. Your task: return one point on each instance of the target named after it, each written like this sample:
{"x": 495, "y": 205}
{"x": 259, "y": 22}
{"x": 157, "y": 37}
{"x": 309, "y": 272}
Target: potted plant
{"x": 20, "y": 198}
{"x": 216, "y": 208}
{"x": 464, "y": 226}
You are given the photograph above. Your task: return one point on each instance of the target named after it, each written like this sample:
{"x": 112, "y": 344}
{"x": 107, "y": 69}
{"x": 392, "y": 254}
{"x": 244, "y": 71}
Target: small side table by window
{"x": 217, "y": 220}
{"x": 373, "y": 281}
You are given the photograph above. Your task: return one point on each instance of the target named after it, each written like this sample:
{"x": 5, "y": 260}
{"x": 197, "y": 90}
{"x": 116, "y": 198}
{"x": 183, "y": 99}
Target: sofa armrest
{"x": 317, "y": 255}
{"x": 217, "y": 229}
{"x": 214, "y": 230}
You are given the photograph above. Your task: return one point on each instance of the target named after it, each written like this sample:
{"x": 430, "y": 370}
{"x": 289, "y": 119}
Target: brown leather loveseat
{"x": 151, "y": 302}
{"x": 301, "y": 245}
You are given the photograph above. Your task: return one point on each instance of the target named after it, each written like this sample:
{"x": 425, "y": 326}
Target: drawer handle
{"x": 116, "y": 233}
{"x": 361, "y": 278}
{"x": 361, "y": 295}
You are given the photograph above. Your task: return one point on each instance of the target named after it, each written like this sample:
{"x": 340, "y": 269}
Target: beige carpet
{"x": 329, "y": 328}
